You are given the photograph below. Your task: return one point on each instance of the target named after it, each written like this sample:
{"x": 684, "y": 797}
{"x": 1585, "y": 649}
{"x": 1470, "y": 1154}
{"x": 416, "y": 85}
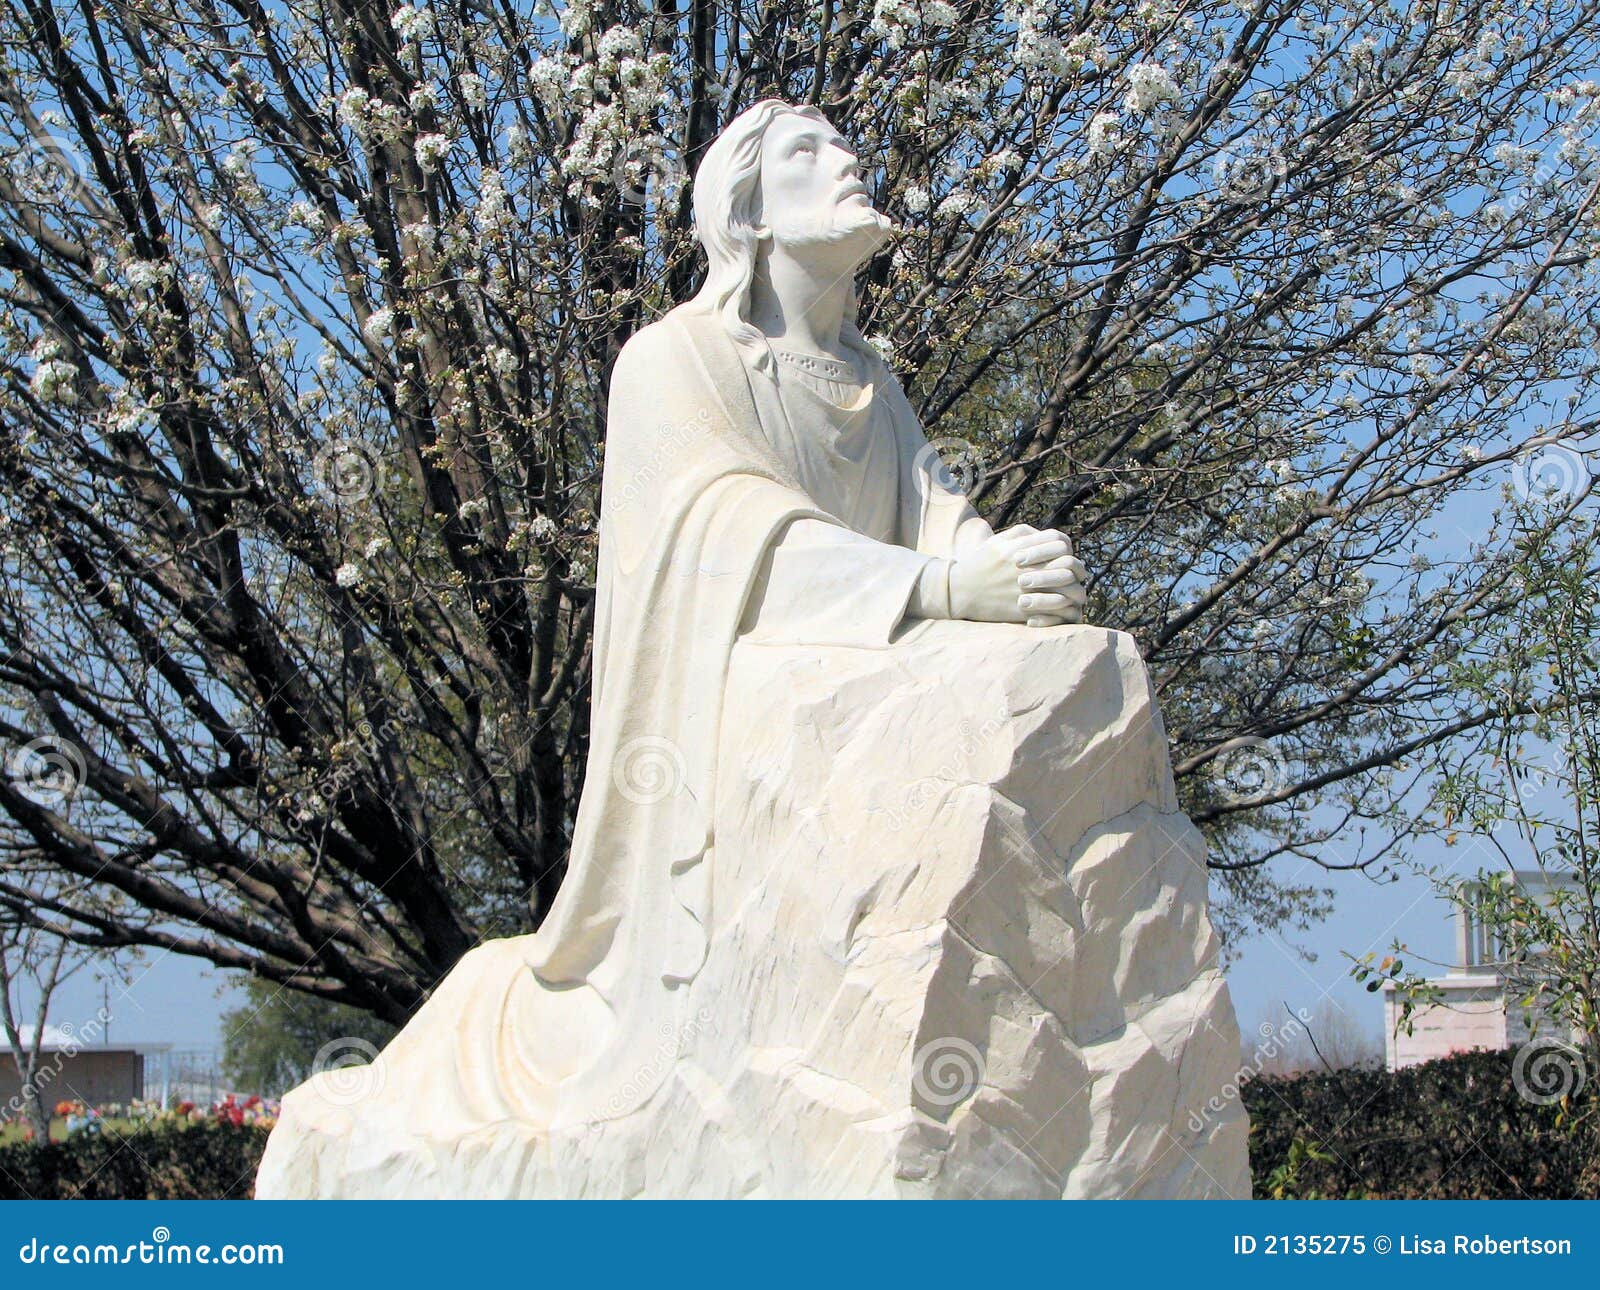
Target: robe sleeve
{"x": 935, "y": 516}
{"x": 825, "y": 584}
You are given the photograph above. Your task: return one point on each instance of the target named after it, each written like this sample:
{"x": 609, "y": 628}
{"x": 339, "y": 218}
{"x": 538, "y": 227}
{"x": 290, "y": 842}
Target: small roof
{"x": 56, "y": 1038}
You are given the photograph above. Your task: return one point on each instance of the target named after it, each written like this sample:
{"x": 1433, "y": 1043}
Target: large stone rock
{"x": 959, "y": 948}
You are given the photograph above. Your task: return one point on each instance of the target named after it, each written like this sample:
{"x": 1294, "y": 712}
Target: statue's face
{"x": 811, "y": 189}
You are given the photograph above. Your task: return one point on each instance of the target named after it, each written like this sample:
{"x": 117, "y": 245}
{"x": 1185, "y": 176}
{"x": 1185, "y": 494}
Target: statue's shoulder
{"x": 651, "y": 344}
{"x": 671, "y": 337}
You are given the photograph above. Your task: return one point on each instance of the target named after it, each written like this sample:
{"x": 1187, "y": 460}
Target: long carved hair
{"x": 727, "y": 215}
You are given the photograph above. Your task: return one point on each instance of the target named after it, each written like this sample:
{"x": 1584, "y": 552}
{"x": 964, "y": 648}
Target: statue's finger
{"x": 1051, "y": 576}
{"x": 1048, "y": 602}
{"x": 1071, "y": 563}
{"x": 1030, "y": 556}
{"x": 1041, "y": 537}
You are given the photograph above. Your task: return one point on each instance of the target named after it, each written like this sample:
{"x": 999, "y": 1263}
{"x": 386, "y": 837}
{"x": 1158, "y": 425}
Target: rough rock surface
{"x": 959, "y": 949}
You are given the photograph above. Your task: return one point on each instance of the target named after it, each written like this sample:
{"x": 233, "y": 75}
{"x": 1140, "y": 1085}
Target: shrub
{"x": 1455, "y": 1128}
{"x": 172, "y": 1158}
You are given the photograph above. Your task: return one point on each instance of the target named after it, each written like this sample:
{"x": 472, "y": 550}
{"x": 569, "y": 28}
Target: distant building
{"x": 91, "y": 1073}
{"x": 1481, "y": 1005}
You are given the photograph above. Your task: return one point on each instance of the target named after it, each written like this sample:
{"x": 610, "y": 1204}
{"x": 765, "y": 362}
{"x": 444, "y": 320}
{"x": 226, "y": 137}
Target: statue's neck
{"x": 802, "y": 305}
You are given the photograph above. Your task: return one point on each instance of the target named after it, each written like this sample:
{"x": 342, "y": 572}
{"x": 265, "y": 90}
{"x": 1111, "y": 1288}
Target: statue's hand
{"x": 985, "y": 581}
{"x": 1050, "y": 579}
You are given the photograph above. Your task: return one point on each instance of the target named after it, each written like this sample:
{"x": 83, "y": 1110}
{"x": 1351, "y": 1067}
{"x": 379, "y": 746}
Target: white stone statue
{"x": 831, "y": 841}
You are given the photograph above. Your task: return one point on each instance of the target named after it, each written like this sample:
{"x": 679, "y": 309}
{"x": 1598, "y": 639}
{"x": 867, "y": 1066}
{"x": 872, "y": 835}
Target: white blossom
{"x": 432, "y": 149}
{"x": 307, "y": 216}
{"x": 347, "y": 574}
{"x": 1036, "y": 49}
{"x": 473, "y": 93}
{"x": 139, "y": 421}
{"x": 616, "y": 44}
{"x": 425, "y": 235}
{"x": 494, "y": 209}
{"x": 55, "y": 380}
{"x": 380, "y": 324}
{"x": 353, "y": 109}
{"x": 957, "y": 203}
{"x": 145, "y": 275}
{"x": 892, "y": 21}
{"x": 549, "y": 76}
{"x": 576, "y": 18}
{"x": 1104, "y": 133}
{"x": 411, "y": 23}
{"x": 1149, "y": 86}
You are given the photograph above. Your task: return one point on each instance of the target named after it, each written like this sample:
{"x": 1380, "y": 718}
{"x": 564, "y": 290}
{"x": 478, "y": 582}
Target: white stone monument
{"x": 879, "y": 886}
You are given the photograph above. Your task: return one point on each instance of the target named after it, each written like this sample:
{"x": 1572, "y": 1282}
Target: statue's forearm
{"x": 930, "y": 598}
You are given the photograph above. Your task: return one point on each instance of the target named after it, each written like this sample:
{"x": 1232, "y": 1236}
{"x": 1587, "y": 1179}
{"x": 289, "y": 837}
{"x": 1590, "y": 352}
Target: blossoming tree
{"x": 310, "y": 308}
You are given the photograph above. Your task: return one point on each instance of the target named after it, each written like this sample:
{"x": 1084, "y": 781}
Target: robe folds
{"x": 582, "y": 1020}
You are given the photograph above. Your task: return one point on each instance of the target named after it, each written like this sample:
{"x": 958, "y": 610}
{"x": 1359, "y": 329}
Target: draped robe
{"x": 715, "y": 520}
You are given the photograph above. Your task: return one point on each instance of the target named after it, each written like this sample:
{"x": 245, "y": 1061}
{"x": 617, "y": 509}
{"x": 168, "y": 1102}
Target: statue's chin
{"x": 852, "y": 231}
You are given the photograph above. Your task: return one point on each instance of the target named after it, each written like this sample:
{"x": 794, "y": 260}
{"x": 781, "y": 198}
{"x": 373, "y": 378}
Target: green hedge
{"x": 165, "y": 1160}
{"x": 1454, "y": 1128}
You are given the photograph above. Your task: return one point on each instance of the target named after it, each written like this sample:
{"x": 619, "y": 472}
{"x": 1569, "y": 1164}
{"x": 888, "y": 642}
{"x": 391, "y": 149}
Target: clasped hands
{"x": 1019, "y": 575}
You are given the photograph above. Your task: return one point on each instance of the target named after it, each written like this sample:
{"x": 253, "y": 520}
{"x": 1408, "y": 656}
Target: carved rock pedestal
{"x": 959, "y": 948}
